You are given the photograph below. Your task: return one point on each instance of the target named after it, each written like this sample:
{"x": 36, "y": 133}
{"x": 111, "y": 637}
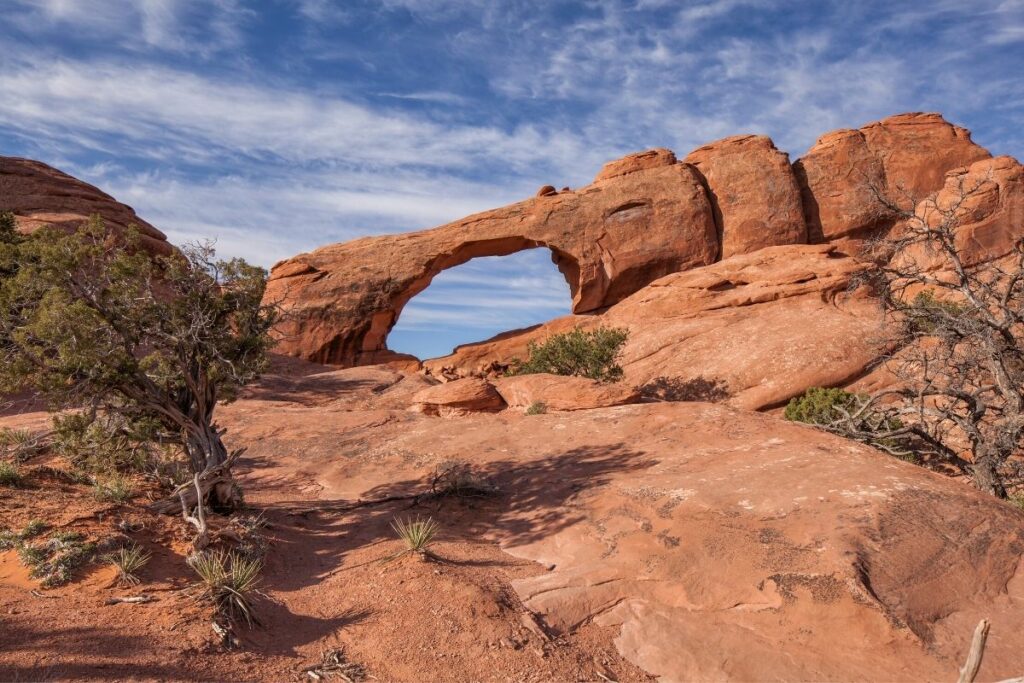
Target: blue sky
{"x": 276, "y": 127}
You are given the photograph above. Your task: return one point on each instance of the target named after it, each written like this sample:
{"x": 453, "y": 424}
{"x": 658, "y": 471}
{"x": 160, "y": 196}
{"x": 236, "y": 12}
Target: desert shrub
{"x": 460, "y": 480}
{"x": 228, "y": 582}
{"x": 1017, "y": 500}
{"x": 34, "y": 528}
{"x": 417, "y": 534}
{"x": 820, "y": 406}
{"x": 537, "y": 408}
{"x": 128, "y": 561}
{"x": 115, "y": 488}
{"x": 592, "y": 353}
{"x": 108, "y": 443}
{"x": 926, "y": 315}
{"x": 55, "y": 560}
{"x": 10, "y": 475}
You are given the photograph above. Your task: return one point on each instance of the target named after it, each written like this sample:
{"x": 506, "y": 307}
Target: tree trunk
{"x": 208, "y": 458}
{"x": 986, "y": 476}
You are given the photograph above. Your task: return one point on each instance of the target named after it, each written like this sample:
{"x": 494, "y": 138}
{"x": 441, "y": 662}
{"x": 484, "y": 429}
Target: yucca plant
{"x": 417, "y": 534}
{"x": 227, "y": 581}
{"x": 128, "y": 560}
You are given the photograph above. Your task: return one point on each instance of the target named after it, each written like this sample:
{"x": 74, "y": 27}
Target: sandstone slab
{"x": 563, "y": 393}
{"x": 461, "y": 397}
{"x": 753, "y": 330}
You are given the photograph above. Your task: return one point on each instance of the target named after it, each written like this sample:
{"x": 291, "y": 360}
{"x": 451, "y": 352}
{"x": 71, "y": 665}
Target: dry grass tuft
{"x": 129, "y": 561}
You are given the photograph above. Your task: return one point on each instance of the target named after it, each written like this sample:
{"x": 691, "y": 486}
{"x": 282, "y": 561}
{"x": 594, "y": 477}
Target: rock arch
{"x": 608, "y": 239}
{"x": 385, "y": 319}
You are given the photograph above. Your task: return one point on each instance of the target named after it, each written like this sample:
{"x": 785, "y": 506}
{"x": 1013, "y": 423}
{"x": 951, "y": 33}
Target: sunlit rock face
{"x": 645, "y": 216}
{"x": 40, "y": 195}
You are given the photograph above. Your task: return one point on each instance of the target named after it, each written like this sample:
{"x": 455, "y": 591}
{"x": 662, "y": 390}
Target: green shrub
{"x": 593, "y": 354}
{"x": 537, "y": 408}
{"x": 10, "y": 475}
{"x": 926, "y": 314}
{"x": 417, "y": 534}
{"x": 114, "y": 489}
{"x": 55, "y": 560}
{"x": 820, "y": 406}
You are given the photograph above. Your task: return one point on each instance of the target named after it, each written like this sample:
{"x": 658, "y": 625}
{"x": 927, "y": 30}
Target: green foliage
{"x": 116, "y": 489}
{"x": 593, "y": 354}
{"x": 227, "y": 581}
{"x": 10, "y": 475}
{"x": 8, "y": 228}
{"x": 55, "y": 560}
{"x": 90, "y": 319}
{"x": 34, "y": 528}
{"x": 537, "y": 408}
{"x": 10, "y": 539}
{"x": 128, "y": 561}
{"x": 821, "y": 406}
{"x": 417, "y": 533}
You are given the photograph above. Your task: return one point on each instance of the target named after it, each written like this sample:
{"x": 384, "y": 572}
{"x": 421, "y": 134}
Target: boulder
{"x": 753, "y": 192}
{"x": 901, "y": 157}
{"x": 41, "y": 195}
{"x": 461, "y": 397}
{"x": 563, "y": 393}
{"x": 753, "y": 330}
{"x": 608, "y": 239}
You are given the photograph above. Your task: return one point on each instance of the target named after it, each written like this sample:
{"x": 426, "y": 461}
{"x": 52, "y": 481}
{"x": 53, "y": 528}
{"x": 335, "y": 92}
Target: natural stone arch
{"x": 385, "y": 320}
{"x": 646, "y": 216}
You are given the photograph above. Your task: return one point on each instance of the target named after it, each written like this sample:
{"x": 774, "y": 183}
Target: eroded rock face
{"x": 563, "y": 393}
{"x": 41, "y": 195}
{"x": 608, "y": 239}
{"x": 902, "y": 156}
{"x": 753, "y": 330}
{"x": 753, "y": 192}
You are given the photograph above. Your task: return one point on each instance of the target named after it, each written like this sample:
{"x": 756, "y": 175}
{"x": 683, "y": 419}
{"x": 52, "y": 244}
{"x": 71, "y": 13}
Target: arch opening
{"x": 479, "y": 297}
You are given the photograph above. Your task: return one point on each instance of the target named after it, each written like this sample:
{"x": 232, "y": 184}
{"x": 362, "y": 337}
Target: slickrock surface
{"x": 719, "y": 544}
{"x": 41, "y": 195}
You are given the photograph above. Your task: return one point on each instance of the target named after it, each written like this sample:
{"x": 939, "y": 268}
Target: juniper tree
{"x": 958, "y": 340}
{"x": 90, "y": 321}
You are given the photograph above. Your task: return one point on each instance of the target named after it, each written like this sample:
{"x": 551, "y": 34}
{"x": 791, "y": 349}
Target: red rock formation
{"x": 461, "y": 397}
{"x": 753, "y": 192}
{"x": 754, "y": 330}
{"x": 609, "y": 239}
{"x": 563, "y": 393}
{"x": 41, "y": 195}
{"x": 904, "y": 156}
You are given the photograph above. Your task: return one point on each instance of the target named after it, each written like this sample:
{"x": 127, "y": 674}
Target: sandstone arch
{"x": 385, "y": 320}
{"x": 608, "y": 239}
